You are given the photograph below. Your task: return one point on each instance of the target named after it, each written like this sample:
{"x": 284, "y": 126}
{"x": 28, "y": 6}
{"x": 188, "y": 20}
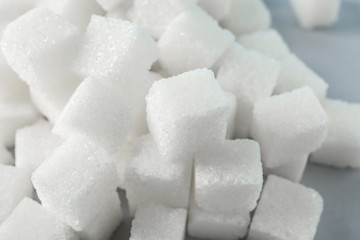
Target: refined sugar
{"x": 211, "y": 225}
{"x": 74, "y": 183}
{"x": 52, "y": 103}
{"x": 5, "y": 156}
{"x": 192, "y": 40}
{"x": 77, "y": 12}
{"x": 100, "y": 113}
{"x": 228, "y": 178}
{"x": 311, "y": 14}
{"x": 121, "y": 160}
{"x": 250, "y": 76}
{"x": 268, "y": 42}
{"x": 156, "y": 222}
{"x": 230, "y": 129}
{"x": 105, "y": 223}
{"x": 341, "y": 147}
{"x": 288, "y": 126}
{"x": 154, "y": 16}
{"x": 38, "y": 46}
{"x": 14, "y": 115}
{"x": 34, "y": 144}
{"x": 140, "y": 126}
{"x": 31, "y": 221}
{"x": 295, "y": 74}
{"x": 181, "y": 119}
{"x": 293, "y": 170}
{"x": 247, "y": 16}
{"x": 286, "y": 210}
{"x": 15, "y": 185}
{"x": 217, "y": 9}
{"x": 116, "y": 50}
{"x": 152, "y": 178}
{"x": 109, "y": 5}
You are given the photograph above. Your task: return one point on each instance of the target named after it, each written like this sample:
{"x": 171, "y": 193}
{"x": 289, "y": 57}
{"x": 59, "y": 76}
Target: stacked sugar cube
{"x": 161, "y": 98}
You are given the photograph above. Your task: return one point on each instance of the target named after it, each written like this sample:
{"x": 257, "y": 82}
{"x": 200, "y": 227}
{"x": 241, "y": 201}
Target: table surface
{"x": 334, "y": 53}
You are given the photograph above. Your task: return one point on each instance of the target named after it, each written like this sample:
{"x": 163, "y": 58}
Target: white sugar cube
{"x": 152, "y": 178}
{"x": 115, "y": 49}
{"x": 316, "y": 13}
{"x": 217, "y": 9}
{"x": 293, "y": 170}
{"x": 288, "y": 126}
{"x": 228, "y": 178}
{"x": 192, "y": 40}
{"x": 251, "y": 76}
{"x": 5, "y": 156}
{"x": 39, "y": 46}
{"x": 74, "y": 183}
{"x": 295, "y": 74}
{"x": 99, "y": 112}
{"x": 77, "y": 12}
{"x": 247, "y": 16}
{"x": 156, "y": 222}
{"x": 105, "y": 223}
{"x": 154, "y": 16}
{"x": 286, "y": 210}
{"x": 14, "y": 115}
{"x": 15, "y": 185}
{"x": 213, "y": 225}
{"x": 268, "y": 42}
{"x": 31, "y": 221}
{"x": 181, "y": 119}
{"x": 230, "y": 128}
{"x": 341, "y": 147}
{"x": 34, "y": 144}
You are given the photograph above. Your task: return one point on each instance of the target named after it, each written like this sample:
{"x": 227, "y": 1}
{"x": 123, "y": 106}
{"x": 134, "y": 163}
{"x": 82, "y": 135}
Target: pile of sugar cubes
{"x": 198, "y": 110}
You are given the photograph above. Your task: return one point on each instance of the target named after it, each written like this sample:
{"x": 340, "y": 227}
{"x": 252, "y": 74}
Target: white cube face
{"x": 186, "y": 45}
{"x": 288, "y": 125}
{"x": 286, "y": 210}
{"x": 75, "y": 182}
{"x": 228, "y": 177}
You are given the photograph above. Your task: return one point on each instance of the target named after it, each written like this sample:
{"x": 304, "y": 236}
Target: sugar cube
{"x": 247, "y": 16}
{"x": 5, "y": 156}
{"x": 230, "y": 128}
{"x": 295, "y": 74}
{"x": 217, "y": 9}
{"x": 74, "y": 183}
{"x": 268, "y": 42}
{"x": 38, "y": 46}
{"x": 116, "y": 50}
{"x": 15, "y": 185}
{"x": 34, "y": 144}
{"x": 14, "y": 115}
{"x": 228, "y": 178}
{"x": 341, "y": 147}
{"x": 288, "y": 126}
{"x": 286, "y": 210}
{"x": 31, "y": 221}
{"x": 154, "y": 16}
{"x": 105, "y": 223}
{"x": 251, "y": 76}
{"x": 99, "y": 112}
{"x": 192, "y": 40}
{"x": 181, "y": 119}
{"x": 152, "y": 178}
{"x": 156, "y": 222}
{"x": 311, "y": 14}
{"x": 216, "y": 225}
{"x": 293, "y": 170}
{"x": 77, "y": 12}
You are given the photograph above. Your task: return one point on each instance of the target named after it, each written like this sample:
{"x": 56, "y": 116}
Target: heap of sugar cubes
{"x": 197, "y": 109}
